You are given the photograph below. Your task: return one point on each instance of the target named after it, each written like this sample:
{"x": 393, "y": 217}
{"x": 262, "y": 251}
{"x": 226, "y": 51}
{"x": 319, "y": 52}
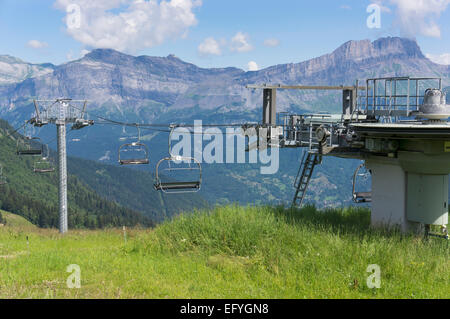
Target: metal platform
{"x": 397, "y": 125}
{"x": 409, "y": 130}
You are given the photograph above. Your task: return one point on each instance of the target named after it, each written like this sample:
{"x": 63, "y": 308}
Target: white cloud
{"x": 346, "y": 7}
{"x": 127, "y": 25}
{"x": 35, "y": 44}
{"x": 418, "y": 17}
{"x": 70, "y": 56}
{"x": 382, "y": 7}
{"x": 443, "y": 58}
{"x": 271, "y": 42}
{"x": 209, "y": 47}
{"x": 240, "y": 43}
{"x": 252, "y": 66}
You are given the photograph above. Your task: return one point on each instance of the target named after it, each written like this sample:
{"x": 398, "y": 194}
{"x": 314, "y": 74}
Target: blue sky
{"x": 213, "y": 33}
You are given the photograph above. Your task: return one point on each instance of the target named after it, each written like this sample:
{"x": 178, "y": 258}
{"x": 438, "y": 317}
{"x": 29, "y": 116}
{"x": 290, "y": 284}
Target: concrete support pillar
{"x": 389, "y": 197}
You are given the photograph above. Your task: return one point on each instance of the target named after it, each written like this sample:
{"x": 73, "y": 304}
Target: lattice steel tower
{"x": 61, "y": 112}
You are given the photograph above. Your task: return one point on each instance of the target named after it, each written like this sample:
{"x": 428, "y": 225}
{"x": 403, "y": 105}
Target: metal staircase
{"x": 309, "y": 161}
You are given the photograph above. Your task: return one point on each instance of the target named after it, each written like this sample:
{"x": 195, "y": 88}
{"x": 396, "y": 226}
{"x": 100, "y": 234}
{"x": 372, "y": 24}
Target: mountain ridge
{"x": 352, "y": 57}
{"x": 120, "y": 82}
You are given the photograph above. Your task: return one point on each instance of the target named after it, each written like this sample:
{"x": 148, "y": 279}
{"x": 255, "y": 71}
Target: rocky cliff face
{"x": 356, "y": 59}
{"x": 391, "y": 48}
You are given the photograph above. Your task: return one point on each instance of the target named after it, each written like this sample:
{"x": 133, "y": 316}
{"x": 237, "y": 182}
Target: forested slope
{"x": 35, "y": 196}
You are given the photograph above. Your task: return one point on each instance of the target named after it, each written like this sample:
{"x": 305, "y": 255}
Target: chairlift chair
{"x": 178, "y": 165}
{"x": 134, "y": 149}
{"x": 360, "y": 197}
{"x": 44, "y": 165}
{"x": 25, "y": 147}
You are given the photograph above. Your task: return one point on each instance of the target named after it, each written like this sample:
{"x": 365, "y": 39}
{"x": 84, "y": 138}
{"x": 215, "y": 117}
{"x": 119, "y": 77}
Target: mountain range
{"x": 146, "y": 89}
{"x": 152, "y": 86}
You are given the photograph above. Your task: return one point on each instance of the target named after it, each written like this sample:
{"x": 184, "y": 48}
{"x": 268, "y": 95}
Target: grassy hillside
{"x": 230, "y": 252}
{"x": 13, "y": 220}
{"x": 34, "y": 196}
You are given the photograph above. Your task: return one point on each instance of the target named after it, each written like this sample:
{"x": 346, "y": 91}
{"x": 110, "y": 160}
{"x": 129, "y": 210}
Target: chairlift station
{"x": 397, "y": 126}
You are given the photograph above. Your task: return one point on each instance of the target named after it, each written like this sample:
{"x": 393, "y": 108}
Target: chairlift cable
{"x": 16, "y": 130}
{"x": 147, "y": 125}
{"x": 163, "y": 131}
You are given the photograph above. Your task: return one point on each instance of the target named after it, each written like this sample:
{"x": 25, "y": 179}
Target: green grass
{"x": 230, "y": 252}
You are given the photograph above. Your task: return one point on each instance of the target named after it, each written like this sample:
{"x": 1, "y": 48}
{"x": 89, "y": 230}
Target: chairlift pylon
{"x": 360, "y": 197}
{"x": 178, "y": 165}
{"x": 134, "y": 148}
